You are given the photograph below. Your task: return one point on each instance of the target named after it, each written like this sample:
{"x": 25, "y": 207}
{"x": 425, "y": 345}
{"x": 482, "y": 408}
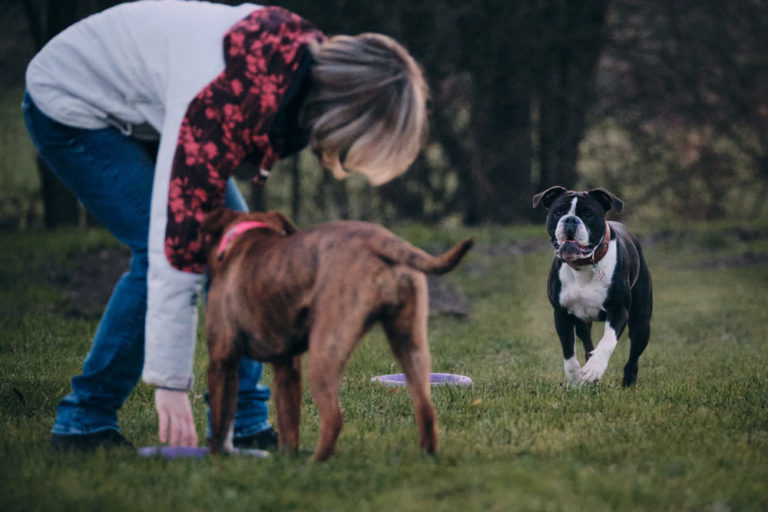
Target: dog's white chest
{"x": 583, "y": 292}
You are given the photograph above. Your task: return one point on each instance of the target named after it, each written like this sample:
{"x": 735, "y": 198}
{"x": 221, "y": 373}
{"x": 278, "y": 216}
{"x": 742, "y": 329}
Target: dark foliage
{"x": 518, "y": 86}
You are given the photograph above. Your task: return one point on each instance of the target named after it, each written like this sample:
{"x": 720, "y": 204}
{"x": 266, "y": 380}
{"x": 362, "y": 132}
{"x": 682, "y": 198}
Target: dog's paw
{"x": 594, "y": 369}
{"x": 572, "y": 371}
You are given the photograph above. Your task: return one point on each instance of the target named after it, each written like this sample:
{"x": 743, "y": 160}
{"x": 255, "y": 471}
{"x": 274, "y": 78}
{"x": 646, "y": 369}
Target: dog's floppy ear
{"x": 212, "y": 228}
{"x": 282, "y": 220}
{"x": 607, "y": 199}
{"x": 547, "y": 197}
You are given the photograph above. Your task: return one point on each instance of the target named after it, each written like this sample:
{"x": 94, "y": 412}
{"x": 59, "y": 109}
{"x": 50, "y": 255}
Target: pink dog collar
{"x": 237, "y": 230}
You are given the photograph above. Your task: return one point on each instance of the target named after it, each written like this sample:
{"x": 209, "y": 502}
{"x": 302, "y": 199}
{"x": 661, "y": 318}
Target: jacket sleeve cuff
{"x": 173, "y": 383}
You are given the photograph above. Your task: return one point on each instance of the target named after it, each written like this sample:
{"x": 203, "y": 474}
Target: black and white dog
{"x": 598, "y": 273}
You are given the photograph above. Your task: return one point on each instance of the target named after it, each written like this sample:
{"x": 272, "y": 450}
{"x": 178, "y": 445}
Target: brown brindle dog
{"x": 277, "y": 292}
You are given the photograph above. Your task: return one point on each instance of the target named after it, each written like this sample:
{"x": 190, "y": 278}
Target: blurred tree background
{"x": 663, "y": 102}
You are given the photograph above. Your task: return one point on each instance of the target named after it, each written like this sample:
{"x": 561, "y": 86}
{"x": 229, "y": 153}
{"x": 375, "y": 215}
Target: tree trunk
{"x": 565, "y": 86}
{"x": 60, "y": 206}
{"x": 500, "y": 182}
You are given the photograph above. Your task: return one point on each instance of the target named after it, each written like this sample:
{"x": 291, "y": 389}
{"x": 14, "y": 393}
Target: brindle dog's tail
{"x": 394, "y": 250}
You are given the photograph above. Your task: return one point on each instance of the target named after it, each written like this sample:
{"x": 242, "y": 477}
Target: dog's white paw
{"x": 594, "y": 369}
{"x": 572, "y": 370}
{"x": 229, "y": 445}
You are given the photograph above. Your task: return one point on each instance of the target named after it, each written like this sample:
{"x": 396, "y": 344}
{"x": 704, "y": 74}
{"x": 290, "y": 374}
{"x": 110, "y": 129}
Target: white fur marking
{"x": 572, "y": 370}
{"x": 583, "y": 291}
{"x": 229, "y": 445}
{"x": 594, "y": 369}
{"x": 572, "y": 211}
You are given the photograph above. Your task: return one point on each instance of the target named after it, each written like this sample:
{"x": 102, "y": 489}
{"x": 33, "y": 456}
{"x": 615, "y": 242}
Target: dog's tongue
{"x": 570, "y": 251}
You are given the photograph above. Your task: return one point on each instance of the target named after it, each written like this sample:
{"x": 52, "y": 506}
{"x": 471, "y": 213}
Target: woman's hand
{"x": 177, "y": 426}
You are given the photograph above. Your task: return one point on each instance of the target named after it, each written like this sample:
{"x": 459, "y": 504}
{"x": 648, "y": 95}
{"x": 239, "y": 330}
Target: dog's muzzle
{"x": 575, "y": 254}
{"x": 570, "y": 250}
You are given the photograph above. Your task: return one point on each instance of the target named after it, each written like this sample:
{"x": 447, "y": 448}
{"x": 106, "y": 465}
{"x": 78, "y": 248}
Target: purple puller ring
{"x": 435, "y": 379}
{"x": 173, "y": 452}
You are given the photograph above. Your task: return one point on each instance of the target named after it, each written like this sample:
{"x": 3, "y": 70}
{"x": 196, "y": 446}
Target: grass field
{"x": 692, "y": 435}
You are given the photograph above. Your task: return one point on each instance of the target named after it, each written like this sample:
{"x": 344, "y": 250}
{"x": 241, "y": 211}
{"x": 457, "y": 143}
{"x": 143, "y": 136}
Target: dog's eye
{"x": 587, "y": 214}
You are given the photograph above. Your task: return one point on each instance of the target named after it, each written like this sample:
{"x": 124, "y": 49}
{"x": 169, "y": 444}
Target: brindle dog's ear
{"x": 607, "y": 199}
{"x": 283, "y": 221}
{"x": 548, "y": 197}
{"x": 212, "y": 228}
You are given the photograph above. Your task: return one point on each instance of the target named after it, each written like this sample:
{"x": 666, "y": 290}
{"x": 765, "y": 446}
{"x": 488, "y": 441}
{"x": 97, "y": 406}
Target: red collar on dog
{"x": 597, "y": 255}
{"x": 237, "y": 230}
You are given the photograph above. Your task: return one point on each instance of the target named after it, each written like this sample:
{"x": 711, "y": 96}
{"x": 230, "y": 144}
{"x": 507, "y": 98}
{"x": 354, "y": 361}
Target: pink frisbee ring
{"x": 189, "y": 452}
{"x": 435, "y": 379}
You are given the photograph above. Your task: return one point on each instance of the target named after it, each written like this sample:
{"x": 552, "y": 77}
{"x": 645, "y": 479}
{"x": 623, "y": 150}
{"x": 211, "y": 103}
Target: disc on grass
{"x": 435, "y": 379}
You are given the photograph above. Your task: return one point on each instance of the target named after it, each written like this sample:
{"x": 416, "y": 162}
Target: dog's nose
{"x": 570, "y": 225}
{"x": 571, "y": 220}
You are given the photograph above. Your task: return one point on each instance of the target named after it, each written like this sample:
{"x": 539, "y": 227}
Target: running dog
{"x": 598, "y": 273}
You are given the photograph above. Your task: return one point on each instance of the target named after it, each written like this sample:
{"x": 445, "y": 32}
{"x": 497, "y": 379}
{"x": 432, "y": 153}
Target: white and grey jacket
{"x": 213, "y": 81}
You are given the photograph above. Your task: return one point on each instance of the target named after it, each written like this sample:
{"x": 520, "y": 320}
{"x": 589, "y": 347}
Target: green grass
{"x": 692, "y": 435}
{"x": 19, "y": 179}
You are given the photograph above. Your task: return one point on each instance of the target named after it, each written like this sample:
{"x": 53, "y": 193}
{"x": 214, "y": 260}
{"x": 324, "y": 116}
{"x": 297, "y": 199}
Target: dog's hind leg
{"x": 639, "y": 323}
{"x": 332, "y": 340}
{"x": 639, "y": 334}
{"x": 406, "y": 330}
{"x": 287, "y": 389}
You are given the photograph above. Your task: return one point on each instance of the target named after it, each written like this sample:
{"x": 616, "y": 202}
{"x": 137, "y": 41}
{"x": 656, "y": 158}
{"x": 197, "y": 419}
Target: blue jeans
{"x": 112, "y": 174}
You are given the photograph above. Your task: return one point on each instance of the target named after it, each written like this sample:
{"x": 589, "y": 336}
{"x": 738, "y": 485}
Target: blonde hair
{"x": 366, "y": 109}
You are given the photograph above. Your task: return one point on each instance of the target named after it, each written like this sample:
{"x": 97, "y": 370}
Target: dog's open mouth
{"x": 571, "y": 250}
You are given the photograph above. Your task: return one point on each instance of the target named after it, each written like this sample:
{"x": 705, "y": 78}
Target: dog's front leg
{"x": 584, "y": 332}
{"x": 222, "y": 395}
{"x": 564, "y": 325}
{"x": 287, "y": 389}
{"x": 330, "y": 345}
{"x": 594, "y": 369}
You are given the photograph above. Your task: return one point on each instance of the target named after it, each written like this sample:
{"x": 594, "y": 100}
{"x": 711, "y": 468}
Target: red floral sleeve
{"x": 229, "y": 120}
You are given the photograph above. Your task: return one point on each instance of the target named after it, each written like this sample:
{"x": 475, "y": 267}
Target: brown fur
{"x": 277, "y": 293}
